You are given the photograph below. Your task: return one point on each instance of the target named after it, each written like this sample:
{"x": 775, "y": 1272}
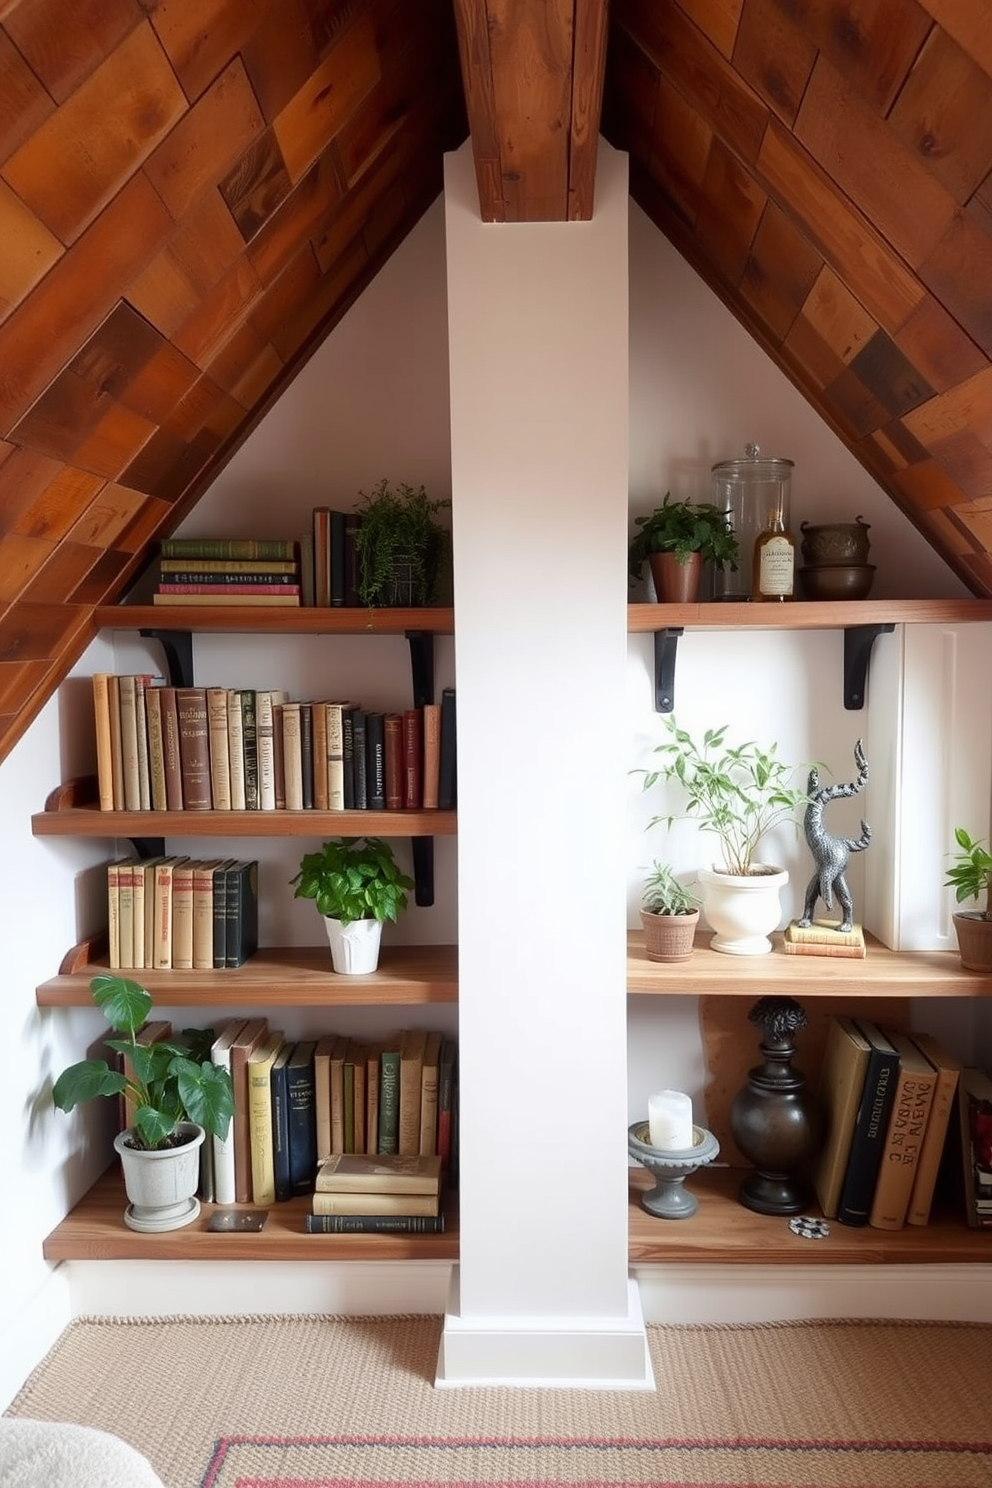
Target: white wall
{"x": 372, "y": 402}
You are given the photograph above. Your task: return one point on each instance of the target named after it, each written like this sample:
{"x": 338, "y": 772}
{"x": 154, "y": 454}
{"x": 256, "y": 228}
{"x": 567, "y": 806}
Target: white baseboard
{"x": 563, "y": 1353}
{"x": 26, "y": 1339}
{"x": 761, "y": 1294}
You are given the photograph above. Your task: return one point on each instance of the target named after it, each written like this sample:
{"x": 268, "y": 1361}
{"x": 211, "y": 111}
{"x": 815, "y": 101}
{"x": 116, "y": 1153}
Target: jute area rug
{"x": 324, "y": 1402}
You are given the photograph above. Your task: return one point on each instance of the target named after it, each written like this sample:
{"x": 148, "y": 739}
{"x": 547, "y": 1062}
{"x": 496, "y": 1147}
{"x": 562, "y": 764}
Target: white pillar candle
{"x": 670, "y": 1120}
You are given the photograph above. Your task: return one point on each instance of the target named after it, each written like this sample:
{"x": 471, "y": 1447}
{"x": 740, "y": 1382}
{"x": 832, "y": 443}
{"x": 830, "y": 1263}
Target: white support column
{"x": 538, "y": 331}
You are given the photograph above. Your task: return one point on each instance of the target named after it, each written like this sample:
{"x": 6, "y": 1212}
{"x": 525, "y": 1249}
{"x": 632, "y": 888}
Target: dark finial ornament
{"x": 775, "y": 1119}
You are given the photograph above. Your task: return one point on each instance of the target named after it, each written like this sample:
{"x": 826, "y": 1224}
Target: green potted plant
{"x": 356, "y": 884}
{"x": 675, "y": 540}
{"x": 669, "y": 915}
{"x": 738, "y": 793}
{"x": 178, "y": 1096}
{"x": 970, "y": 876}
{"x": 400, "y": 546}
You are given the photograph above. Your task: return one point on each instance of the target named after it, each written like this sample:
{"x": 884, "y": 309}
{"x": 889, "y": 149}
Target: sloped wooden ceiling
{"x": 192, "y": 192}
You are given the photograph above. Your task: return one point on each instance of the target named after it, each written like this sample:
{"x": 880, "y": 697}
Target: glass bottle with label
{"x": 774, "y": 567}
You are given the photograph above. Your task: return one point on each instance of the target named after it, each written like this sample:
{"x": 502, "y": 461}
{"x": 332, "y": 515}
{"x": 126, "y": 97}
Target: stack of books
{"x": 355, "y": 1192}
{"x": 227, "y": 571}
{"x": 181, "y": 914}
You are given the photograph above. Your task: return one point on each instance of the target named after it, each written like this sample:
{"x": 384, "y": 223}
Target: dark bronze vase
{"x": 775, "y": 1119}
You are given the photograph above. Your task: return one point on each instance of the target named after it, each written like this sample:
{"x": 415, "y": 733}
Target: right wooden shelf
{"x": 882, "y": 973}
{"x": 642, "y": 619}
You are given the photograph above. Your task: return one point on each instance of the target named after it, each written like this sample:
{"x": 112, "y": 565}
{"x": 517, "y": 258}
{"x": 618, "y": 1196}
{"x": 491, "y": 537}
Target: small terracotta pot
{"x": 669, "y": 937}
{"x": 974, "y": 940}
{"x": 675, "y": 582}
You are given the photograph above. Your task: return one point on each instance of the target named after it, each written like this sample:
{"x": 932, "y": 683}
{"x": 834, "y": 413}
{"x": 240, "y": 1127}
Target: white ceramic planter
{"x": 161, "y": 1186}
{"x": 354, "y": 947}
{"x": 743, "y": 911}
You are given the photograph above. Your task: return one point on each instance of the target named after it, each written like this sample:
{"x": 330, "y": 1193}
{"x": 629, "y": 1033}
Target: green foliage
{"x": 168, "y": 1082}
{"x": 738, "y": 793}
{"x": 353, "y": 878}
{"x": 970, "y": 875}
{"x": 397, "y": 532}
{"x": 681, "y": 528}
{"x": 665, "y": 894}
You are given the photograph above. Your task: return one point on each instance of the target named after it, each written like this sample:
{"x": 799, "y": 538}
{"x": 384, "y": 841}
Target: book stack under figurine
{"x": 385, "y": 1192}
{"x": 227, "y": 571}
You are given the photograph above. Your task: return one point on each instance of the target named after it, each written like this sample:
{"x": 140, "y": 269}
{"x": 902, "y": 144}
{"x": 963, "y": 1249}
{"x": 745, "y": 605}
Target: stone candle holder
{"x": 669, "y": 1199}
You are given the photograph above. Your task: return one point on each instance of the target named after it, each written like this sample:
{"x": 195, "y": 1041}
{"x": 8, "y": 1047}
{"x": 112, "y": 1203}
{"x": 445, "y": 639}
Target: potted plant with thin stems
{"x": 970, "y": 876}
{"x": 356, "y": 885}
{"x": 738, "y": 793}
{"x": 669, "y": 915}
{"x": 400, "y": 546}
{"x": 675, "y": 540}
{"x": 178, "y": 1095}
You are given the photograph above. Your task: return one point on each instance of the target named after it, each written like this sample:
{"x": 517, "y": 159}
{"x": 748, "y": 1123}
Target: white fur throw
{"x": 50, "y": 1454}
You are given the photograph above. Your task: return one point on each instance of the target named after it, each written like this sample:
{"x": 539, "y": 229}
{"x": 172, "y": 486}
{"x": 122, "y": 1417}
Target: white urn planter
{"x": 743, "y": 911}
{"x": 355, "y": 946}
{"x": 161, "y": 1185}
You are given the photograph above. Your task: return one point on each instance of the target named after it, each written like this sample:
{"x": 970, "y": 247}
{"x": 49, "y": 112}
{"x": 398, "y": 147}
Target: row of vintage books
{"x": 905, "y": 1123}
{"x": 299, "y": 1103}
{"x": 165, "y": 748}
{"x": 176, "y": 913}
{"x": 228, "y": 571}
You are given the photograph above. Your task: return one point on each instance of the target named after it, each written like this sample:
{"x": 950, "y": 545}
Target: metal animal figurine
{"x": 831, "y": 853}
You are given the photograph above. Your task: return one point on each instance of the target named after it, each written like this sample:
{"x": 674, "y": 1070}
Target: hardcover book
{"x": 236, "y": 749}
{"x": 429, "y": 1085}
{"x": 334, "y": 753}
{"x": 219, "y": 748}
{"x": 156, "y": 749}
{"x": 373, "y": 1224}
{"x": 292, "y": 756}
{"x": 904, "y": 1135}
{"x": 353, "y": 1172}
{"x": 447, "y": 798}
{"x": 101, "y": 720}
{"x": 203, "y": 912}
{"x": 182, "y": 915}
{"x": 280, "y": 1124}
{"x": 392, "y": 733}
{"x": 260, "y": 1139}
{"x": 432, "y": 754}
{"x": 943, "y": 1108}
{"x": 413, "y": 1042}
{"x": 389, "y": 1098}
{"x": 413, "y": 759}
{"x": 266, "y": 548}
{"x": 975, "y": 1126}
{"x": 241, "y": 911}
{"x": 249, "y": 746}
{"x": 375, "y": 762}
{"x": 858, "y": 1188}
{"x": 301, "y": 1096}
{"x": 447, "y": 1089}
{"x": 116, "y": 759}
{"x": 368, "y": 1202}
{"x": 170, "y": 749}
{"x": 842, "y": 1081}
{"x": 220, "y": 1054}
{"x": 307, "y": 755}
{"x": 129, "y": 742}
{"x": 194, "y": 747}
{"x": 322, "y": 1093}
{"x": 360, "y": 758}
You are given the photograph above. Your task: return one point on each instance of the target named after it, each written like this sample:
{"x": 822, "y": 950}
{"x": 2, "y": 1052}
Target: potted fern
{"x": 400, "y": 546}
{"x": 970, "y": 876}
{"x": 738, "y": 793}
{"x": 178, "y": 1095}
{"x": 675, "y": 540}
{"x": 669, "y": 915}
{"x": 357, "y": 885}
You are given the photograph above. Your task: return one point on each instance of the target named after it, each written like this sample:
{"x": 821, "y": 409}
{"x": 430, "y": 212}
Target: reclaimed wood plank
{"x": 730, "y": 209}
{"x": 834, "y": 312}
{"x": 80, "y": 157}
{"x": 967, "y": 21}
{"x": 64, "y": 44}
{"x": 328, "y": 97}
{"x": 55, "y": 511}
{"x": 203, "y": 247}
{"x": 944, "y": 114}
{"x": 207, "y": 142}
{"x": 774, "y": 55}
{"x": 934, "y": 342}
{"x": 279, "y": 56}
{"x": 781, "y": 271}
{"x": 257, "y": 185}
{"x": 24, "y": 103}
{"x": 471, "y": 20}
{"x": 29, "y": 250}
{"x": 588, "y": 71}
{"x": 200, "y": 40}
{"x": 958, "y": 273}
{"x": 872, "y": 42}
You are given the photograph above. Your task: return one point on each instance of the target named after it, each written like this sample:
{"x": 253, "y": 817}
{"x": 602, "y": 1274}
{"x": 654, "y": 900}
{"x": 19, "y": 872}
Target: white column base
{"x": 561, "y": 1353}
{"x": 764, "y": 1294}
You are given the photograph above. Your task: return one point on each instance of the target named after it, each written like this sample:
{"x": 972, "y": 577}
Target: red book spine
{"x": 413, "y": 759}
{"x": 392, "y": 730}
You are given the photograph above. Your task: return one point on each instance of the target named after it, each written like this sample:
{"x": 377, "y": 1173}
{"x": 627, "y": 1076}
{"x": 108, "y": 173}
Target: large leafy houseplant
{"x": 736, "y": 792}
{"x": 683, "y": 528}
{"x": 400, "y": 545}
{"x": 168, "y": 1082}
{"x": 353, "y": 878}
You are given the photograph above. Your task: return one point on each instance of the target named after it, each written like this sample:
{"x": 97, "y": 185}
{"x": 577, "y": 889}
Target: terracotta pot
{"x": 974, "y": 940}
{"x": 669, "y": 937}
{"x": 675, "y": 582}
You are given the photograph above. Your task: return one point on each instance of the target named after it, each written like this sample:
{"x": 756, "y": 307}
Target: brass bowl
{"x": 837, "y": 580}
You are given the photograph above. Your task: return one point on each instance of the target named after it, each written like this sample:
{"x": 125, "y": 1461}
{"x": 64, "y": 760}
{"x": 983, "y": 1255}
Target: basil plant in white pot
{"x": 737, "y": 793}
{"x": 356, "y": 885}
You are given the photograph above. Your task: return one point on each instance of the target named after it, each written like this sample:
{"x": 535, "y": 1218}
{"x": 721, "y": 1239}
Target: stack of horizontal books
{"x": 387, "y": 1193}
{"x": 227, "y": 571}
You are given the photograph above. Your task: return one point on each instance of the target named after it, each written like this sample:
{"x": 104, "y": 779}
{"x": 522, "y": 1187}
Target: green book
{"x": 389, "y": 1100}
{"x": 249, "y": 744}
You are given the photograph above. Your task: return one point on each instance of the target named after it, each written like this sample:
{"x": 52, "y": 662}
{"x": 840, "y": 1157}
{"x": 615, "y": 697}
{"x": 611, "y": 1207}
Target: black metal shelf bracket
{"x": 178, "y": 648}
{"x": 665, "y": 647}
{"x": 148, "y": 847}
{"x": 858, "y": 642}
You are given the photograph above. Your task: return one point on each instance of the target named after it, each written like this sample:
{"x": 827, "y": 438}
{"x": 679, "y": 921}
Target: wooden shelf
{"x": 89, "y": 821}
{"x": 95, "y": 1231}
{"x": 723, "y": 1232}
{"x": 275, "y": 620}
{"x": 882, "y": 973}
{"x": 287, "y": 976}
{"x": 642, "y": 619}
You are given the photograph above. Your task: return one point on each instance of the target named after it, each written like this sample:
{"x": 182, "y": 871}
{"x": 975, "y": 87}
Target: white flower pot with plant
{"x": 738, "y": 793}
{"x": 356, "y": 885}
{"x": 179, "y": 1097}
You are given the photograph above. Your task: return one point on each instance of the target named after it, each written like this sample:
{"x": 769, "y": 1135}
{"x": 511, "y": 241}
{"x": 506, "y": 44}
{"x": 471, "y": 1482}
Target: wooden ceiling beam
{"x": 532, "y": 72}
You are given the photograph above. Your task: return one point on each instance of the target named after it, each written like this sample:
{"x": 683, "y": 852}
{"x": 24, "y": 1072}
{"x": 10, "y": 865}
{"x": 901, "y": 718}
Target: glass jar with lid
{"x": 756, "y": 493}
